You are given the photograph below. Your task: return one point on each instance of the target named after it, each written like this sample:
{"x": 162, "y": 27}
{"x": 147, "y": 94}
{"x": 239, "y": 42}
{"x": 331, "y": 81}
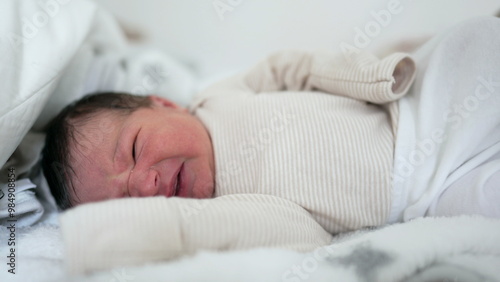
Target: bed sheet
{"x": 429, "y": 249}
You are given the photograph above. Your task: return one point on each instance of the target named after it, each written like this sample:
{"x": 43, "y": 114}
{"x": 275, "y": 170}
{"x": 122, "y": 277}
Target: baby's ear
{"x": 162, "y": 102}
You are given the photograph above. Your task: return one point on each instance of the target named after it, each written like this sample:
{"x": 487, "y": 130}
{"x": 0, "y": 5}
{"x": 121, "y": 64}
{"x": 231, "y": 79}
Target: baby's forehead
{"x": 104, "y": 120}
{"x": 94, "y": 131}
{"x": 91, "y": 144}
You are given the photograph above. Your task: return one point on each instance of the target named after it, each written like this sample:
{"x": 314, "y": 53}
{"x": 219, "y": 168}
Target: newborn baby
{"x": 120, "y": 145}
{"x": 329, "y": 133}
{"x": 315, "y": 129}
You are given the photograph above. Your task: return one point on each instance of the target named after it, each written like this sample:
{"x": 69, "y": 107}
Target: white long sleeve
{"x": 313, "y": 129}
{"x": 364, "y": 78}
{"x": 138, "y": 230}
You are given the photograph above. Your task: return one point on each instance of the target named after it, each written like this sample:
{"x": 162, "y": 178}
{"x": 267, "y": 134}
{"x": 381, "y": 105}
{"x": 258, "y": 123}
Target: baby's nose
{"x": 147, "y": 185}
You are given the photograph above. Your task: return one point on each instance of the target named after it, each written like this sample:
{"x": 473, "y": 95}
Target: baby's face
{"x": 159, "y": 151}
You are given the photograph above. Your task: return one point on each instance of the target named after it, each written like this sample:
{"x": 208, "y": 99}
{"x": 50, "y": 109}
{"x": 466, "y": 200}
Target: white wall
{"x": 192, "y": 29}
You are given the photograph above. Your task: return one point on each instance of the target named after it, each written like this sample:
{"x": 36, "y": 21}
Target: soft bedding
{"x": 44, "y": 72}
{"x": 428, "y": 249}
{"x": 458, "y": 249}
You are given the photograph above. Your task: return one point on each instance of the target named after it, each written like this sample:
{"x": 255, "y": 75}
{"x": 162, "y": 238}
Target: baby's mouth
{"x": 176, "y": 184}
{"x": 169, "y": 177}
{"x": 180, "y": 182}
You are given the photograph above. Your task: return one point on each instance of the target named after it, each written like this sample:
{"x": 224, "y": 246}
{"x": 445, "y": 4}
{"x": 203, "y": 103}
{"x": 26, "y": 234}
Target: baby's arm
{"x": 138, "y": 230}
{"x": 363, "y": 77}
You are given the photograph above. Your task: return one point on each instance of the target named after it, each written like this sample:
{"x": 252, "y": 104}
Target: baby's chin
{"x": 195, "y": 182}
{"x": 205, "y": 191}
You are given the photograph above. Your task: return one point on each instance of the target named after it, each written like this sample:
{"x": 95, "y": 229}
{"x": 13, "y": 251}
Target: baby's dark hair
{"x": 61, "y": 131}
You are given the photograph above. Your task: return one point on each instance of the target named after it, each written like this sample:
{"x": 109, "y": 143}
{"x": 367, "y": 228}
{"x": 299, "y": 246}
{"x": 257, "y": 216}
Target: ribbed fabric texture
{"x": 330, "y": 151}
{"x": 135, "y": 231}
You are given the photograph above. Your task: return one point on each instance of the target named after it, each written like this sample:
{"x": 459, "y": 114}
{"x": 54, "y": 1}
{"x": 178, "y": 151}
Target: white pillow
{"x": 35, "y": 47}
{"x": 38, "y": 41}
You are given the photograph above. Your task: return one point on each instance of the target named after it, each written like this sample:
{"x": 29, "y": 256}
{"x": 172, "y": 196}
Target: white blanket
{"x": 427, "y": 249}
{"x": 447, "y": 155}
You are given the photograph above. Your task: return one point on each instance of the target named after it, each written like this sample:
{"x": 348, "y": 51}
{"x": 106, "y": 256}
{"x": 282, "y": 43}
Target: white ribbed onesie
{"x": 330, "y": 150}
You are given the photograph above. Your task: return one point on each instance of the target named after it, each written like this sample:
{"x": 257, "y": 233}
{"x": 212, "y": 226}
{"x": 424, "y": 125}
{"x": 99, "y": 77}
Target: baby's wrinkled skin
{"x": 158, "y": 151}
